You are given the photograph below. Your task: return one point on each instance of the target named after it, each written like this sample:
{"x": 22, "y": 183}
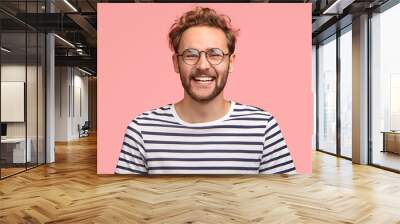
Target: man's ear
{"x": 231, "y": 62}
{"x": 175, "y": 61}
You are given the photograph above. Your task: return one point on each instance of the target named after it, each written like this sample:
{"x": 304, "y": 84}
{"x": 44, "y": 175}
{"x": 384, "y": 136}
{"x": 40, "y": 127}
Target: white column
{"x": 360, "y": 89}
{"x": 50, "y": 91}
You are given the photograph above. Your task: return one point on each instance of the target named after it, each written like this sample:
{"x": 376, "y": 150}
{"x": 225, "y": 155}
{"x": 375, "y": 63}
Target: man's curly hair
{"x": 202, "y": 16}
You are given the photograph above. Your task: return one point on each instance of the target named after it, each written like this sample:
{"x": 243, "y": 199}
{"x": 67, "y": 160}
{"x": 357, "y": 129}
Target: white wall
{"x": 81, "y": 102}
{"x": 71, "y": 93}
{"x": 17, "y": 72}
{"x": 12, "y": 73}
{"x": 81, "y": 82}
{"x": 62, "y": 78}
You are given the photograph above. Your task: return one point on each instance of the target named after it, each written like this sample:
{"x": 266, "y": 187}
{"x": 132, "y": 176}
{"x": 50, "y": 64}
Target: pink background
{"x": 272, "y": 68}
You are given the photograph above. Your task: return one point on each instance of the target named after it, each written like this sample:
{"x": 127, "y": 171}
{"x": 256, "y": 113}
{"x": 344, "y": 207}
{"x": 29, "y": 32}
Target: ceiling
{"x": 76, "y": 22}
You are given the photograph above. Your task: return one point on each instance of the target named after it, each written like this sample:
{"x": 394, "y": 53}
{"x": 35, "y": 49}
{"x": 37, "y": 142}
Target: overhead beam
{"x": 85, "y": 61}
{"x": 86, "y": 26}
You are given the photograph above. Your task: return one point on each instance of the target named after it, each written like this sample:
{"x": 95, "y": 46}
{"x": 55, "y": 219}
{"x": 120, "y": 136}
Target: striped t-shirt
{"x": 247, "y": 140}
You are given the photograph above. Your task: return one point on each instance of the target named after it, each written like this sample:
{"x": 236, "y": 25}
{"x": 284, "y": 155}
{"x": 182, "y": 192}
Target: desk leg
{"x": 384, "y": 142}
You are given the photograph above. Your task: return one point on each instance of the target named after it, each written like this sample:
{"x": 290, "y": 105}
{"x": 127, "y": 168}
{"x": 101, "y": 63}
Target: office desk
{"x": 15, "y": 148}
{"x": 391, "y": 141}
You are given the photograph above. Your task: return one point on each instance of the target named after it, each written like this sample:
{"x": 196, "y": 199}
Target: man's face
{"x": 203, "y": 81}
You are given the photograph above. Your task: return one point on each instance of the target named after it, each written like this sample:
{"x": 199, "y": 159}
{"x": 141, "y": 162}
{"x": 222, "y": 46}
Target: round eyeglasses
{"x": 191, "y": 56}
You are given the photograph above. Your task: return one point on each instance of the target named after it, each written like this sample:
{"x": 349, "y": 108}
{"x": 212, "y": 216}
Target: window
{"x": 327, "y": 95}
{"x": 385, "y": 88}
{"x": 346, "y": 92}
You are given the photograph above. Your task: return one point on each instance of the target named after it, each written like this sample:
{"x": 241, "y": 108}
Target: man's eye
{"x": 191, "y": 56}
{"x": 215, "y": 55}
{"x": 215, "y": 52}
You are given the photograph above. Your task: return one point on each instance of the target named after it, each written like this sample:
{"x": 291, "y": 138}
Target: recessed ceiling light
{"x": 84, "y": 71}
{"x": 337, "y": 7}
{"x": 70, "y": 5}
{"x": 5, "y": 50}
{"x": 64, "y": 40}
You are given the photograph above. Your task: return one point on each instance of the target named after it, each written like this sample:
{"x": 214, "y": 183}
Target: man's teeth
{"x": 204, "y": 79}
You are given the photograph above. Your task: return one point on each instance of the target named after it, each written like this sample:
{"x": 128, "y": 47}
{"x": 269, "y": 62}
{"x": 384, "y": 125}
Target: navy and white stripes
{"x": 247, "y": 140}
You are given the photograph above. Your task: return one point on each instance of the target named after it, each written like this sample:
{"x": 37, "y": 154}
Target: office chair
{"x": 84, "y": 130}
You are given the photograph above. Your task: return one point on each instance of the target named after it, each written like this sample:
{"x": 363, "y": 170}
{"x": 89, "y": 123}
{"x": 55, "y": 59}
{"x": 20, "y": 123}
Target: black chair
{"x": 84, "y": 130}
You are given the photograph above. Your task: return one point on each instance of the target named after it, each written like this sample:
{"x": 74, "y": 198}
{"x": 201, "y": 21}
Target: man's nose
{"x": 203, "y": 62}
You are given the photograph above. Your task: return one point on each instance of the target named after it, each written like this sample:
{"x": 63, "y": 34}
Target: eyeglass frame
{"x": 205, "y": 52}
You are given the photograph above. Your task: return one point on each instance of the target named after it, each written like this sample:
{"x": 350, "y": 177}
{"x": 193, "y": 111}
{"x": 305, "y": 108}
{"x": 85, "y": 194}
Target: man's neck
{"x": 192, "y": 111}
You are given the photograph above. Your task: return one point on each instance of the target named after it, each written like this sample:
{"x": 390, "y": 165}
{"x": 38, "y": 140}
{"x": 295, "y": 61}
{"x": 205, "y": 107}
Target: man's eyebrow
{"x": 210, "y": 48}
{"x": 189, "y": 48}
{"x": 214, "y": 48}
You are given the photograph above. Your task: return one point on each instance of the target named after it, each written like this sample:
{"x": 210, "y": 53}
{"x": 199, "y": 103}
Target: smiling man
{"x": 204, "y": 133}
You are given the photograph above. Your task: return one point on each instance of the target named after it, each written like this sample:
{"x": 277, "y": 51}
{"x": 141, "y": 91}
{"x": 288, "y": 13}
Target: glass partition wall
{"x": 334, "y": 91}
{"x": 327, "y": 95}
{"x": 385, "y": 89}
{"x": 22, "y": 88}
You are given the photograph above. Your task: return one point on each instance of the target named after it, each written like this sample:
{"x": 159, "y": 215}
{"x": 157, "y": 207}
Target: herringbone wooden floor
{"x": 70, "y": 191}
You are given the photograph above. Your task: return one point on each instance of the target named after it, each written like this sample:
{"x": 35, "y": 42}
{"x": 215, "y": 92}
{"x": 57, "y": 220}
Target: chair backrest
{"x": 86, "y": 124}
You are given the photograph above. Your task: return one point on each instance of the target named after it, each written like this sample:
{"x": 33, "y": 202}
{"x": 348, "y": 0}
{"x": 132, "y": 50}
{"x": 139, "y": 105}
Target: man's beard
{"x": 216, "y": 91}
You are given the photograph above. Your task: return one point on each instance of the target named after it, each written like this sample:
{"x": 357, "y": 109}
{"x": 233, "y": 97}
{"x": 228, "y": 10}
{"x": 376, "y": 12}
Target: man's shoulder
{"x": 159, "y": 112}
{"x": 249, "y": 109}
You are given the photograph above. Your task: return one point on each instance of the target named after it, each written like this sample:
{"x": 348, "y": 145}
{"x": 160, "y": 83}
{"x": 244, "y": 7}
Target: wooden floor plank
{"x": 70, "y": 191}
